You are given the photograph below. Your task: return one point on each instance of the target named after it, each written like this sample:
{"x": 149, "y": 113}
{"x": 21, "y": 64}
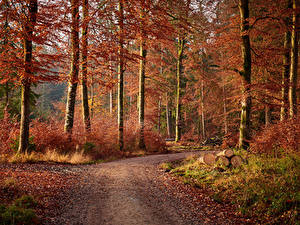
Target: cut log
{"x": 228, "y": 153}
{"x": 236, "y": 161}
{"x": 223, "y": 160}
{"x": 208, "y": 158}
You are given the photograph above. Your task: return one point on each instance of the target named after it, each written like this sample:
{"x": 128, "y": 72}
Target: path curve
{"x": 136, "y": 192}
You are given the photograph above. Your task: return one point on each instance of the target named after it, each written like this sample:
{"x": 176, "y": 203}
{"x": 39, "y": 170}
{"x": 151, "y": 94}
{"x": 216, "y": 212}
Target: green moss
{"x": 264, "y": 186}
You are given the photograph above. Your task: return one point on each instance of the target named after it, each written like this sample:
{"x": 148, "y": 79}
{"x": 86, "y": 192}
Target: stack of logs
{"x": 226, "y": 158}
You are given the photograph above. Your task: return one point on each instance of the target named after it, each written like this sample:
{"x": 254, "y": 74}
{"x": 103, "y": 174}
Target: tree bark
{"x": 286, "y": 69}
{"x": 225, "y": 110}
{"x": 168, "y": 117}
{"x": 121, "y": 77}
{"x": 84, "y": 55}
{"x": 141, "y": 101}
{"x": 267, "y": 115}
{"x": 246, "y": 76}
{"x": 178, "y": 129}
{"x": 202, "y": 111}
{"x": 111, "y": 101}
{"x": 71, "y": 96}
{"x": 159, "y": 114}
{"x": 25, "y": 106}
{"x": 294, "y": 62}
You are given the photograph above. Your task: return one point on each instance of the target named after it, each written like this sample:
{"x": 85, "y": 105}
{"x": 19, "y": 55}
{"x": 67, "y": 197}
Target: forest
{"x": 86, "y": 81}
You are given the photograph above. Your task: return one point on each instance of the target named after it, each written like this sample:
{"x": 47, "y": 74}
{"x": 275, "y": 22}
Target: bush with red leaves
{"x": 284, "y": 136}
{"x": 8, "y": 132}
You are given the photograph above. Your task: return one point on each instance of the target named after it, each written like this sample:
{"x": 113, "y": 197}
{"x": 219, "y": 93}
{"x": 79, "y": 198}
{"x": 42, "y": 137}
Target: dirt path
{"x": 136, "y": 191}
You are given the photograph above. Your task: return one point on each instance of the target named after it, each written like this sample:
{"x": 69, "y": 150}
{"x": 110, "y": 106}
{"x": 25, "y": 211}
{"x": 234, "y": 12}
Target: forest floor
{"x": 130, "y": 191}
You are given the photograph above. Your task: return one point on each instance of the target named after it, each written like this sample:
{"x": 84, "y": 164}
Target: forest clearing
{"x": 149, "y": 112}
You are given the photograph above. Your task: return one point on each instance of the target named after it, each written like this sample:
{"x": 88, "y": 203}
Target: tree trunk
{"x": 84, "y": 89}
{"x": 267, "y": 115}
{"x": 141, "y": 102}
{"x": 236, "y": 161}
{"x": 121, "y": 77}
{"x": 6, "y": 99}
{"x": 227, "y": 153}
{"x": 169, "y": 132}
{"x": 71, "y": 96}
{"x": 92, "y": 96}
{"x": 179, "y": 94}
{"x": 294, "y": 62}
{"x": 202, "y": 111}
{"x": 225, "y": 110}
{"x": 286, "y": 69}
{"x": 246, "y": 76}
{"x": 25, "y": 106}
{"x": 111, "y": 101}
{"x": 159, "y": 114}
{"x": 208, "y": 158}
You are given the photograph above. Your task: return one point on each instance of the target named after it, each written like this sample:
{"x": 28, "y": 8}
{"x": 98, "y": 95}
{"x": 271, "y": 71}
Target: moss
{"x": 264, "y": 186}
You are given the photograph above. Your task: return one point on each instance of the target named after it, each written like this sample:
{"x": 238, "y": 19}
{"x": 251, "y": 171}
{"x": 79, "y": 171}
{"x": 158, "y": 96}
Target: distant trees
{"x": 175, "y": 64}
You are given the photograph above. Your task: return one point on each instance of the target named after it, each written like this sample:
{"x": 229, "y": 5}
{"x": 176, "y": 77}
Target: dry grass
{"x": 51, "y": 156}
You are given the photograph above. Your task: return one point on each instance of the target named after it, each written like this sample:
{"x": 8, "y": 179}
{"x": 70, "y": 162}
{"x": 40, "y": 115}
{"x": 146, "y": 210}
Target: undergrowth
{"x": 20, "y": 212}
{"x": 266, "y": 187}
{"x": 48, "y": 142}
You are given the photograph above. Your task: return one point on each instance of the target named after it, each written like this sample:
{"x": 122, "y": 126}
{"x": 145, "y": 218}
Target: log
{"x": 236, "y": 161}
{"x": 223, "y": 160}
{"x": 208, "y": 158}
{"x": 228, "y": 153}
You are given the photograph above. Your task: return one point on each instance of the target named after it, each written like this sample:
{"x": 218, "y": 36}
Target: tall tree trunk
{"x": 225, "y": 109}
{"x": 141, "y": 101}
{"x": 294, "y": 62}
{"x": 246, "y": 75}
{"x": 267, "y": 115}
{"x": 178, "y": 129}
{"x": 286, "y": 68}
{"x": 84, "y": 89}
{"x": 121, "y": 77}
{"x": 84, "y": 55}
{"x": 25, "y": 105}
{"x": 202, "y": 111}
{"x": 111, "y": 101}
{"x": 168, "y": 117}
{"x": 159, "y": 114}
{"x": 92, "y": 96}
{"x": 71, "y": 96}
{"x": 6, "y": 99}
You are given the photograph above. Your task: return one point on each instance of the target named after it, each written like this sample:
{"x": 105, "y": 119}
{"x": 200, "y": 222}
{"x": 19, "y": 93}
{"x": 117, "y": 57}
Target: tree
{"x": 121, "y": 76}
{"x": 246, "y": 75}
{"x": 84, "y": 54}
{"x": 294, "y": 62}
{"x": 179, "y": 93}
{"x": 28, "y": 71}
{"x": 286, "y": 67}
{"x": 143, "y": 53}
{"x": 73, "y": 76}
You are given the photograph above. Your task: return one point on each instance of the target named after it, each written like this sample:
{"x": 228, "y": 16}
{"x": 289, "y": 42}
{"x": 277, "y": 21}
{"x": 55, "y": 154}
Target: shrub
{"x": 8, "y": 133}
{"x": 277, "y": 138}
{"x": 20, "y": 212}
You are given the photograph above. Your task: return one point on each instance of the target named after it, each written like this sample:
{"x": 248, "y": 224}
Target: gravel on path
{"x": 136, "y": 192}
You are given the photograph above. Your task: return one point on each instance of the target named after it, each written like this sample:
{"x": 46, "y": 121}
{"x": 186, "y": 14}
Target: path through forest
{"x": 136, "y": 191}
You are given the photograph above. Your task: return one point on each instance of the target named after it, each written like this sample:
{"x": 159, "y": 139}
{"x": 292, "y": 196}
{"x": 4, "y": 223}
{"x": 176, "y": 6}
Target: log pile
{"x": 225, "y": 158}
